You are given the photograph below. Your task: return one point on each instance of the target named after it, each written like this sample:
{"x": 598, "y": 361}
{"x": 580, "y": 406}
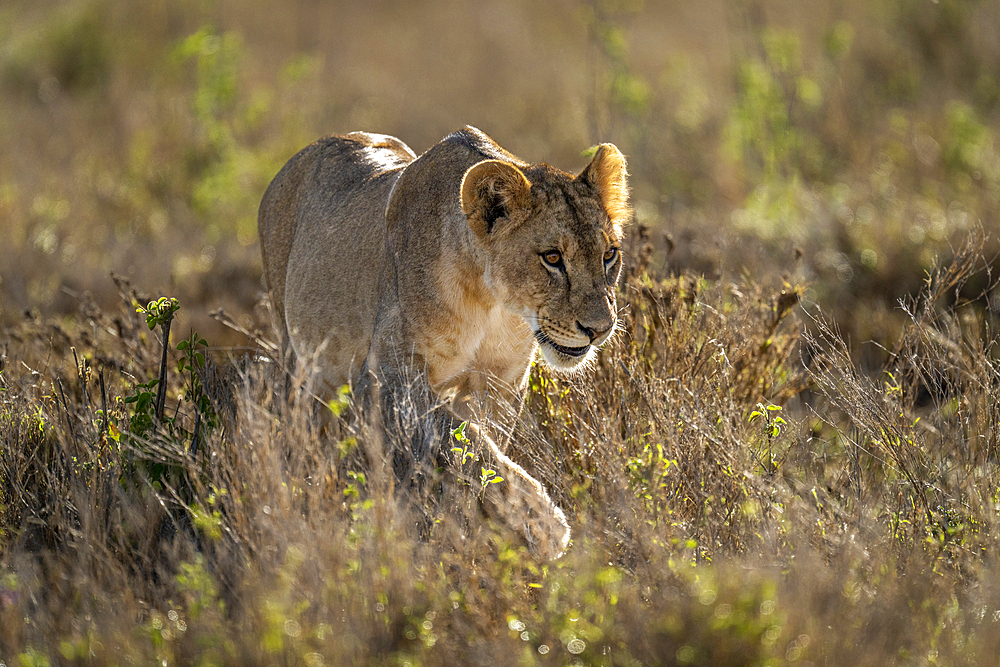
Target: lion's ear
{"x": 607, "y": 174}
{"x": 490, "y": 191}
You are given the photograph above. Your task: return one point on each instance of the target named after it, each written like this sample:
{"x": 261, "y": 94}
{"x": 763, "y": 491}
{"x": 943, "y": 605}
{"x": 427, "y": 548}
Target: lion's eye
{"x": 610, "y": 255}
{"x": 552, "y": 257}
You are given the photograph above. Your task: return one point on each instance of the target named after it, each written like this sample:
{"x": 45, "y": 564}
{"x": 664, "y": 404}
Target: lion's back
{"x": 322, "y": 233}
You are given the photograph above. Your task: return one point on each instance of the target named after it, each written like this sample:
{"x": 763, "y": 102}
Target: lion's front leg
{"x": 410, "y": 409}
{"x": 520, "y": 501}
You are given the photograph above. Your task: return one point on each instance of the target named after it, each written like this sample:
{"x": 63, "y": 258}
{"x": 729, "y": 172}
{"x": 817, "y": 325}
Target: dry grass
{"x": 781, "y": 153}
{"x": 851, "y": 534}
{"x": 844, "y": 145}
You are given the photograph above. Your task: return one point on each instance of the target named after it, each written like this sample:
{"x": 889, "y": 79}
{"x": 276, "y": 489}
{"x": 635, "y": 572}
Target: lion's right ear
{"x": 490, "y": 191}
{"x": 608, "y": 175}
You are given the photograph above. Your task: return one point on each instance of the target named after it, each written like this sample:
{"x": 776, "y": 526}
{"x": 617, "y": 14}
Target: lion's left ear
{"x": 491, "y": 190}
{"x": 607, "y": 173}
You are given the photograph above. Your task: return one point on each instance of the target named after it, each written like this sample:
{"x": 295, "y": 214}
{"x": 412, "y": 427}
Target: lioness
{"x": 459, "y": 264}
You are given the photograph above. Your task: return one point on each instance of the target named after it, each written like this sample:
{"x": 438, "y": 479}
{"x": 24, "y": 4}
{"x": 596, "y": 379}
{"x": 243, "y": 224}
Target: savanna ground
{"x": 789, "y": 455}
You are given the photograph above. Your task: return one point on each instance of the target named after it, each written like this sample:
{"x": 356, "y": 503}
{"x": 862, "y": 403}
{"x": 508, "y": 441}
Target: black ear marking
{"x": 494, "y": 208}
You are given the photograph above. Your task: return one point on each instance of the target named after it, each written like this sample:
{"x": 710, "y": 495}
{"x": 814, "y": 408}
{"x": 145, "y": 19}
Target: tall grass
{"x": 854, "y": 525}
{"x": 843, "y": 145}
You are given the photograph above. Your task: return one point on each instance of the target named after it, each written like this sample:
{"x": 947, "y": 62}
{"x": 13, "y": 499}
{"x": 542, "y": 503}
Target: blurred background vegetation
{"x": 843, "y": 143}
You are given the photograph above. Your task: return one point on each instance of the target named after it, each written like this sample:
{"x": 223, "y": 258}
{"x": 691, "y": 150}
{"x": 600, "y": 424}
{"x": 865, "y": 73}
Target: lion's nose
{"x": 594, "y": 333}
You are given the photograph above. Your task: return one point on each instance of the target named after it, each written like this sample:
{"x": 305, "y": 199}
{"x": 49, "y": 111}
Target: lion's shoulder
{"x": 477, "y": 145}
{"x": 432, "y": 182}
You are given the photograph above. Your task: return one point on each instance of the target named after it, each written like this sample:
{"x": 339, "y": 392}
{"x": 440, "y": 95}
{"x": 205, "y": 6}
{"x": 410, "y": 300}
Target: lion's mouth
{"x": 570, "y": 351}
{"x": 543, "y": 339}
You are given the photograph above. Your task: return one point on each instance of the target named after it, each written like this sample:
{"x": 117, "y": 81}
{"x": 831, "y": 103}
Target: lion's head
{"x": 552, "y": 247}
